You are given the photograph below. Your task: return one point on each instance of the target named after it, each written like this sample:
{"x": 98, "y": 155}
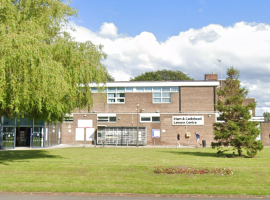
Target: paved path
{"x": 86, "y": 196}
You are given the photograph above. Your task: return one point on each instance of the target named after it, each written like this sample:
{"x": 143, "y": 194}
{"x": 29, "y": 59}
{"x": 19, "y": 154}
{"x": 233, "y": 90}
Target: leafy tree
{"x": 237, "y": 130}
{"x": 109, "y": 77}
{"x": 44, "y": 73}
{"x": 162, "y": 75}
{"x": 266, "y": 116}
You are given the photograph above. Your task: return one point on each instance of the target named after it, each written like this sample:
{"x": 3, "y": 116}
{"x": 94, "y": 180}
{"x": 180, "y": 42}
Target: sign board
{"x": 85, "y": 123}
{"x": 90, "y": 133}
{"x": 79, "y": 135}
{"x": 187, "y": 120}
{"x": 155, "y": 133}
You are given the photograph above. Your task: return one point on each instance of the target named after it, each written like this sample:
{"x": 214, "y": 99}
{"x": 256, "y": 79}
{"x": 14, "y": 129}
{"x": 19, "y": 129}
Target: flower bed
{"x": 182, "y": 170}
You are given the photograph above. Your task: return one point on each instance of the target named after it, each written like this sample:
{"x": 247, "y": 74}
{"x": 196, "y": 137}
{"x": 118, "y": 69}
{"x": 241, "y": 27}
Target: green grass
{"x": 131, "y": 170}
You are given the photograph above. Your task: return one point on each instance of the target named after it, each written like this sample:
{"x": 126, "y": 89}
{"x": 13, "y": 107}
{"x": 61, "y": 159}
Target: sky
{"x": 186, "y": 35}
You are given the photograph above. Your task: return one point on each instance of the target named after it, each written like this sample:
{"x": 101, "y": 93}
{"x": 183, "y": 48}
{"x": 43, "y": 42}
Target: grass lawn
{"x": 131, "y": 170}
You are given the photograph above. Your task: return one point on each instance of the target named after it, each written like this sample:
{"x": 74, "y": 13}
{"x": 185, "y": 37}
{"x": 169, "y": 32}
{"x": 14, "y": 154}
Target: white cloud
{"x": 245, "y": 46}
{"x": 108, "y": 30}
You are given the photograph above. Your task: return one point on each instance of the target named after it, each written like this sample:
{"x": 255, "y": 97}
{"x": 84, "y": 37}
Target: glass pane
{"x": 166, "y": 100}
{"x": 157, "y": 100}
{"x": 156, "y": 119}
{"x": 111, "y": 100}
{"x": 94, "y": 89}
{"x": 112, "y": 119}
{"x": 140, "y": 89}
{"x": 120, "y": 89}
{"x": 120, "y": 94}
{"x": 156, "y": 94}
{"x": 111, "y": 89}
{"x": 8, "y": 137}
{"x": 102, "y": 119}
{"x": 148, "y": 89}
{"x": 166, "y": 94}
{"x": 129, "y": 89}
{"x": 111, "y": 94}
{"x": 166, "y": 89}
{"x": 174, "y": 89}
{"x": 37, "y": 137}
{"x": 157, "y": 89}
{"x": 145, "y": 119}
{"x": 121, "y": 100}
{"x": 9, "y": 121}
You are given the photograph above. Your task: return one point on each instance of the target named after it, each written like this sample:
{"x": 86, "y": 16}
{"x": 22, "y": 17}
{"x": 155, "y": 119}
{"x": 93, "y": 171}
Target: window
{"x": 150, "y": 117}
{"x": 219, "y": 117}
{"x": 162, "y": 95}
{"x": 68, "y": 118}
{"x": 116, "y": 95}
{"x": 129, "y": 89}
{"x": 106, "y": 117}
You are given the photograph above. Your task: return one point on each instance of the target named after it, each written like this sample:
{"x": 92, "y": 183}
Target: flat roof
{"x": 156, "y": 83}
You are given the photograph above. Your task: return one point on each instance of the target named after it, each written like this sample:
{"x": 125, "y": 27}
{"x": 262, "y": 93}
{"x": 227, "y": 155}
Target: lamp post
{"x": 138, "y": 124}
{"x": 219, "y": 60}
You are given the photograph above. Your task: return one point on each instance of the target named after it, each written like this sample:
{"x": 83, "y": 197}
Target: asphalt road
{"x": 83, "y": 196}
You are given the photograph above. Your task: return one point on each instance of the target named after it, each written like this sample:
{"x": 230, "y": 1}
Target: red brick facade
{"x": 190, "y": 100}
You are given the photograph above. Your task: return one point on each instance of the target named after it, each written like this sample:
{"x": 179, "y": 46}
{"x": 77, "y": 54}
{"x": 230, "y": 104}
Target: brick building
{"x": 158, "y": 109}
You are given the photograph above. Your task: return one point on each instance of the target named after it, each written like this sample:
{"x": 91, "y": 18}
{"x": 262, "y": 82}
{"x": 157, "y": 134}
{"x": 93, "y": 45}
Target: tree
{"x": 237, "y": 130}
{"x": 44, "y": 73}
{"x": 162, "y": 75}
{"x": 266, "y": 116}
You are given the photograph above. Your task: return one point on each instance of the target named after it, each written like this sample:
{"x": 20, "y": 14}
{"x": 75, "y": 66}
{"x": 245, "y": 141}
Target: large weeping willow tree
{"x": 44, "y": 73}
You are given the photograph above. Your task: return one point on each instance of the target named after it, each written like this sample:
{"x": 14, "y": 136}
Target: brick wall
{"x": 265, "y": 131}
{"x": 197, "y": 99}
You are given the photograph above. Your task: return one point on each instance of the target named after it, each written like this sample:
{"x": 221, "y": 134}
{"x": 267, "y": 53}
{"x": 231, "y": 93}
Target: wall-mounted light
{"x": 84, "y": 115}
{"x": 157, "y": 111}
{"x": 209, "y": 115}
{"x": 94, "y": 111}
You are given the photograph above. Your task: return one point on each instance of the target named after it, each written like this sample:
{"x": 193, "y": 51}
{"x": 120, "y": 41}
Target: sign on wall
{"x": 155, "y": 133}
{"x": 85, "y": 123}
{"x": 90, "y": 133}
{"x": 187, "y": 120}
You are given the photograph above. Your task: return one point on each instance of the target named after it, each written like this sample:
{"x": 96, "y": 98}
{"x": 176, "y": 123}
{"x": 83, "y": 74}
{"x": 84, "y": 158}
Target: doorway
{"x": 23, "y": 136}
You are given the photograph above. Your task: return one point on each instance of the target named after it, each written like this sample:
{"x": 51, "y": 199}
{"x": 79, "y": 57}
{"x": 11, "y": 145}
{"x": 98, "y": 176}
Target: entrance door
{"x": 23, "y": 137}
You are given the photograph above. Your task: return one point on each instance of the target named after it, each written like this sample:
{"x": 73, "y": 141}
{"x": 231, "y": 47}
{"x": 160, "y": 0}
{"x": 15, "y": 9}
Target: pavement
{"x": 60, "y": 146}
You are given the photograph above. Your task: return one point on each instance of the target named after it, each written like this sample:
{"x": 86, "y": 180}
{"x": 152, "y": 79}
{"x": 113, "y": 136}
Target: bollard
{"x": 165, "y": 144}
{"x": 187, "y": 143}
{"x": 95, "y": 143}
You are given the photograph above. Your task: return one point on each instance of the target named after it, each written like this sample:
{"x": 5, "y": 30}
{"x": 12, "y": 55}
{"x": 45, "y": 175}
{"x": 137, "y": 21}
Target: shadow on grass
{"x": 195, "y": 153}
{"x": 21, "y": 155}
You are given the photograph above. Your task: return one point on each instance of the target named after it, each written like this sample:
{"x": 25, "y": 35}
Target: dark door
{"x": 23, "y": 137}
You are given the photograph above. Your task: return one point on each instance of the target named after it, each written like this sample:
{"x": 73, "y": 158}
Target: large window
{"x": 116, "y": 95}
{"x": 161, "y": 95}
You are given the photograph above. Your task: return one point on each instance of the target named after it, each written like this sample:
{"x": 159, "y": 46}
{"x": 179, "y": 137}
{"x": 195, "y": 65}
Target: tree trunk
{"x": 239, "y": 152}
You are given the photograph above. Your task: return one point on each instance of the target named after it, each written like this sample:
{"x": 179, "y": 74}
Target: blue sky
{"x": 186, "y": 35}
{"x": 165, "y": 18}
